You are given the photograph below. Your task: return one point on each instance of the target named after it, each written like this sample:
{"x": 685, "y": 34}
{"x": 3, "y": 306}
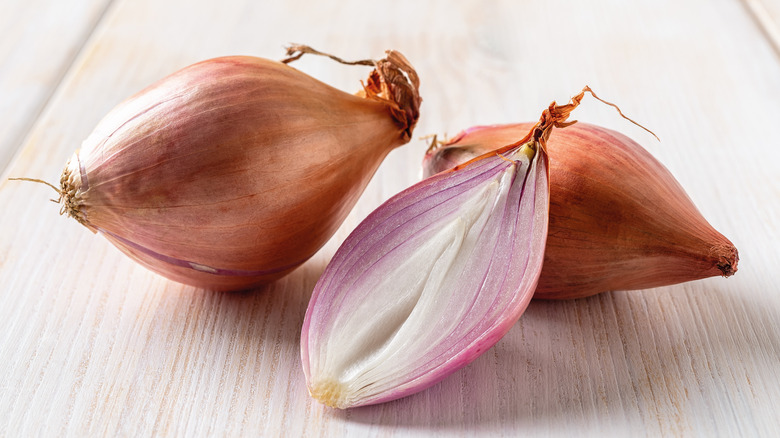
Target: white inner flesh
{"x": 418, "y": 301}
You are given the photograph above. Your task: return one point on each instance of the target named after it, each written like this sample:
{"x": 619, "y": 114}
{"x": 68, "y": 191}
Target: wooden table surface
{"x": 93, "y": 344}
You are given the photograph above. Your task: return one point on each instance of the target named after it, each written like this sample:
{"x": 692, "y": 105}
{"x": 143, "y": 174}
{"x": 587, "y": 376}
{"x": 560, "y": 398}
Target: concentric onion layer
{"x": 428, "y": 282}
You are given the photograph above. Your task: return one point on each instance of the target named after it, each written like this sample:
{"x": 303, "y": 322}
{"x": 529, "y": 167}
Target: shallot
{"x": 234, "y": 171}
{"x": 619, "y": 220}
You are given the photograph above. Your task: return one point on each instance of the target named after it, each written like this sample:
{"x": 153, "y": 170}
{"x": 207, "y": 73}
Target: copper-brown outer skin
{"x": 238, "y": 164}
{"x": 619, "y": 220}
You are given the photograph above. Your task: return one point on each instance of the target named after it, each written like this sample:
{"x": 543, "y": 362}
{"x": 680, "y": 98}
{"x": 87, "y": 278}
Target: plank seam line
{"x": 769, "y": 27}
{"x": 67, "y": 66}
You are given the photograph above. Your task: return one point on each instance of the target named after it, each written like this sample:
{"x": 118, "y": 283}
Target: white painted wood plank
{"x": 40, "y": 39}
{"x": 91, "y": 343}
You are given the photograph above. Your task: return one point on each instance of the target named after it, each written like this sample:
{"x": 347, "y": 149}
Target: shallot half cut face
{"x": 429, "y": 281}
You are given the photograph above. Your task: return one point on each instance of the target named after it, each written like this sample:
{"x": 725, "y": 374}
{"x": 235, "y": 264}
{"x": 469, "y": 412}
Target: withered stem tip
{"x": 296, "y": 51}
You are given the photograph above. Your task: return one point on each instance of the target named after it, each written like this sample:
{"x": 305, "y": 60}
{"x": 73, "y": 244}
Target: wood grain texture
{"x": 767, "y": 16}
{"x": 40, "y": 39}
{"x": 93, "y": 344}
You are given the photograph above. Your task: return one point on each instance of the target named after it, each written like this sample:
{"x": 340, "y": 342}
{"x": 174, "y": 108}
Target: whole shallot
{"x": 619, "y": 220}
{"x": 234, "y": 171}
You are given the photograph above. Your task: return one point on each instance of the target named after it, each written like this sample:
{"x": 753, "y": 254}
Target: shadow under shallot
{"x": 233, "y": 354}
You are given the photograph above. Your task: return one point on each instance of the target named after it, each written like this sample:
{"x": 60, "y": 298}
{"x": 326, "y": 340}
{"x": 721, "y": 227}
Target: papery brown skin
{"x": 232, "y": 172}
{"x": 619, "y": 220}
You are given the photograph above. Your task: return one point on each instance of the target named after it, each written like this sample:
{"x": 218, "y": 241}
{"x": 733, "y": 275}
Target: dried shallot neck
{"x": 556, "y": 116}
{"x": 393, "y": 82}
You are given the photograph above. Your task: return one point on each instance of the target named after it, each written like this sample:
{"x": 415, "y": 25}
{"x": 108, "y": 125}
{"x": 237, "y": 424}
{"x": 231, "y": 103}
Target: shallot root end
{"x": 40, "y": 181}
{"x": 68, "y": 198}
{"x": 329, "y": 393}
